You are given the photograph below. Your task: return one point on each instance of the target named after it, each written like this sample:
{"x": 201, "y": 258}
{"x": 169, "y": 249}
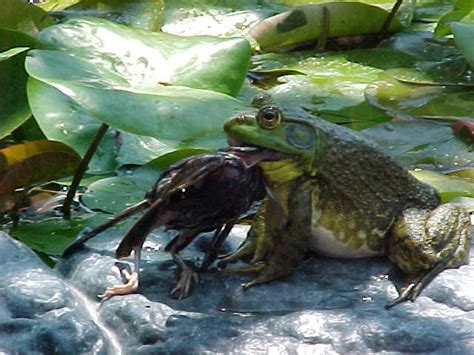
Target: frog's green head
{"x": 269, "y": 128}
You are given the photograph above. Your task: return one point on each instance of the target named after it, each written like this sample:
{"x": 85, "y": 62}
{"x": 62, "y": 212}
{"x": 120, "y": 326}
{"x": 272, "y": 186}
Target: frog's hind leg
{"x": 423, "y": 243}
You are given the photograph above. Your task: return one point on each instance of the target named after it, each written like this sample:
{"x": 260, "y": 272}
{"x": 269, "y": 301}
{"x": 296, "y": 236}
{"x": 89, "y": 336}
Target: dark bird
{"x": 198, "y": 194}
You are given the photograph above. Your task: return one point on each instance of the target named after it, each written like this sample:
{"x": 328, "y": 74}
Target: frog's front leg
{"x": 257, "y": 245}
{"x": 287, "y": 239}
{"x": 423, "y": 243}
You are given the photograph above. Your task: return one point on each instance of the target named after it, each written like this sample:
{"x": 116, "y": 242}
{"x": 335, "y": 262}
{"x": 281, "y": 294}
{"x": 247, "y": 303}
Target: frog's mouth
{"x": 252, "y": 155}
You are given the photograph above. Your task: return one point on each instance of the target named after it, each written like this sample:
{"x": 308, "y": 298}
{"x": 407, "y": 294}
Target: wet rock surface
{"x": 328, "y": 305}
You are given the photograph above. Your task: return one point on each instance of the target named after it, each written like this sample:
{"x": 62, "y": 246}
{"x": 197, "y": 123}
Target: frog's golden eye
{"x": 269, "y": 117}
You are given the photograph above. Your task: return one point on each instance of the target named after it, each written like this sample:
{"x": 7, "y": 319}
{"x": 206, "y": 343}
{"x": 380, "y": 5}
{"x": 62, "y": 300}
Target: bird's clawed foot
{"x": 187, "y": 277}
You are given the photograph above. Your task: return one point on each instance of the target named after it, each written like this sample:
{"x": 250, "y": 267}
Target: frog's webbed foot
{"x": 130, "y": 287}
{"x": 266, "y": 274}
{"x": 425, "y": 243}
{"x": 187, "y": 277}
{"x": 414, "y": 287}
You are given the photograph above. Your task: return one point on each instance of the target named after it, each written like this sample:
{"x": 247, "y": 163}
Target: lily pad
{"x": 216, "y": 18}
{"x": 334, "y": 83}
{"x": 144, "y": 14}
{"x": 454, "y": 74}
{"x": 423, "y": 144}
{"x": 448, "y": 187}
{"x": 135, "y": 91}
{"x": 409, "y": 101}
{"x": 62, "y": 119}
{"x": 423, "y": 46}
{"x": 144, "y": 59}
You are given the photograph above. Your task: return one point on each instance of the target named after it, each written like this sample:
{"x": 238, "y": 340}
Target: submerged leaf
{"x": 51, "y": 236}
{"x": 423, "y": 144}
{"x": 410, "y": 101}
{"x": 14, "y": 154}
{"x": 30, "y": 163}
{"x": 116, "y": 193}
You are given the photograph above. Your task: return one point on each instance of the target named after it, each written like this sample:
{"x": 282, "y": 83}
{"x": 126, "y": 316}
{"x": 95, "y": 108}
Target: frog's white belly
{"x": 325, "y": 243}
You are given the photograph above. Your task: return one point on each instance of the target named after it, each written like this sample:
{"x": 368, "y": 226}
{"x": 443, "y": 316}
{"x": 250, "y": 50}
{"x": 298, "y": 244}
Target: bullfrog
{"x": 333, "y": 191}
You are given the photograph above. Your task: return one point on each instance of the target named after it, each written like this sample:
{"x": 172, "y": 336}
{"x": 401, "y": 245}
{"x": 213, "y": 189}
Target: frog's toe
{"x": 414, "y": 288}
{"x": 245, "y": 250}
{"x": 247, "y": 269}
{"x": 268, "y": 273}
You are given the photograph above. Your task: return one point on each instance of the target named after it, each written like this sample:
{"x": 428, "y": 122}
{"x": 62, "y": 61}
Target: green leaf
{"x": 423, "y": 144}
{"x": 464, "y": 36}
{"x": 448, "y": 187}
{"x": 410, "y": 101}
{"x": 304, "y": 23}
{"x": 12, "y": 52}
{"x": 14, "y": 108}
{"x": 24, "y": 17}
{"x": 463, "y": 11}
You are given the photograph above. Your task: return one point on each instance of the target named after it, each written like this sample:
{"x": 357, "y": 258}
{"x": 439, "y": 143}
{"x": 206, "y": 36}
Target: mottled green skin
{"x": 340, "y": 195}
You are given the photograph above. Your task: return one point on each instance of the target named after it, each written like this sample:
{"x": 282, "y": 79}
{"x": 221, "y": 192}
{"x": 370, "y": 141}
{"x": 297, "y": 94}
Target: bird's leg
{"x": 187, "y": 276}
{"x": 133, "y": 279}
{"x": 219, "y": 237}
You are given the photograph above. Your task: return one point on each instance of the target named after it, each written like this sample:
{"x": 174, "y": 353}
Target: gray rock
{"x": 39, "y": 311}
{"x": 326, "y": 306}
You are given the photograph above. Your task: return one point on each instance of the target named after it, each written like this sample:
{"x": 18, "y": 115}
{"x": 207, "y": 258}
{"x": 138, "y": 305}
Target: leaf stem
{"x": 383, "y": 31}
{"x": 81, "y": 169}
{"x": 323, "y": 37}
